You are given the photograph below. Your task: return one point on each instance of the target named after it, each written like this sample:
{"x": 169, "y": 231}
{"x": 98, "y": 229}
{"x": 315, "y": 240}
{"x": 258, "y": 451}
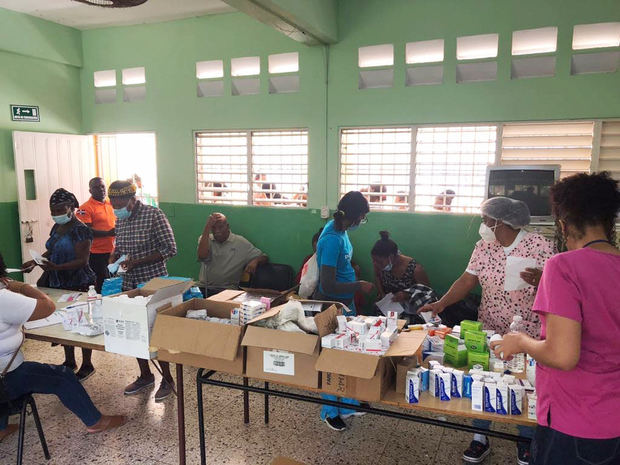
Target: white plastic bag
{"x": 309, "y": 278}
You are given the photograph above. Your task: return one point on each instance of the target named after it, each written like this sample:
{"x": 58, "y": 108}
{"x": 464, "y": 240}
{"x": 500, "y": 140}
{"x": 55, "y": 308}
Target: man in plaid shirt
{"x": 144, "y": 235}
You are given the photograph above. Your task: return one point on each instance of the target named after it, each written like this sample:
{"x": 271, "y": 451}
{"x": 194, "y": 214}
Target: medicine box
{"x": 451, "y": 341}
{"x": 469, "y": 325}
{"x": 476, "y": 341}
{"x": 475, "y": 358}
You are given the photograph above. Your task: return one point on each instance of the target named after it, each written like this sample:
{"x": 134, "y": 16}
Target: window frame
{"x": 249, "y": 161}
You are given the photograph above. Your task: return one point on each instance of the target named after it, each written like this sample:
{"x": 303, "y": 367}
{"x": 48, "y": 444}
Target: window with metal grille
{"x": 450, "y": 167}
{"x": 568, "y": 144}
{"x": 377, "y": 162}
{"x": 263, "y": 168}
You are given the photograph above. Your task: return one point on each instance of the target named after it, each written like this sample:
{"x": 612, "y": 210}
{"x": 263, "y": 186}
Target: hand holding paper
{"x": 388, "y": 305}
{"x": 514, "y": 267}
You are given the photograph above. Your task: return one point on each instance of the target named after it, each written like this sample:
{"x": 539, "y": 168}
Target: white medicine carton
{"x": 128, "y": 324}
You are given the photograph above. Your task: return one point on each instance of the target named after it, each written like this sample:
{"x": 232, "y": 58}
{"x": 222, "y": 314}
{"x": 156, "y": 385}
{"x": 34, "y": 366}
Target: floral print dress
{"x": 488, "y": 263}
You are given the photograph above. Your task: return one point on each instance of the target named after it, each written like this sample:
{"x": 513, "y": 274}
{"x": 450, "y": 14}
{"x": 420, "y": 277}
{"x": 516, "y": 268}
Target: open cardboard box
{"x": 127, "y": 326}
{"x": 245, "y": 293}
{"x": 281, "y": 356}
{"x": 199, "y": 343}
{"x": 357, "y": 375}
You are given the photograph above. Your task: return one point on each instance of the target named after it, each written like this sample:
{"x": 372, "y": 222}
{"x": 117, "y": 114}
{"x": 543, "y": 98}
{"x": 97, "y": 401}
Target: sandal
{"x": 107, "y": 422}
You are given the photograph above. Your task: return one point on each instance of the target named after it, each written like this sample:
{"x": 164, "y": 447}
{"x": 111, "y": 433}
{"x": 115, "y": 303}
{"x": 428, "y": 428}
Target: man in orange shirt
{"x": 97, "y": 213}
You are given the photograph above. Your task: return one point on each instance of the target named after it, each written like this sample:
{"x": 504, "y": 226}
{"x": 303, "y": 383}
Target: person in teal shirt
{"x": 337, "y": 278}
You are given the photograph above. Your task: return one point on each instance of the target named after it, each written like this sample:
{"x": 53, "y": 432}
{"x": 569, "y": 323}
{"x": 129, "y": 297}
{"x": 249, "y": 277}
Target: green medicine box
{"x": 455, "y": 356}
{"x": 476, "y": 341}
{"x": 451, "y": 341}
{"x": 475, "y": 358}
{"x": 469, "y": 325}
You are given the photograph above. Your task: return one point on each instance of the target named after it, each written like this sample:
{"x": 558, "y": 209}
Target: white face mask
{"x": 487, "y": 234}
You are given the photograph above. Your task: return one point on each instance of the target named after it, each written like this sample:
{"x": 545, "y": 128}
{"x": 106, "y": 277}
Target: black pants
{"x": 99, "y": 264}
{"x": 550, "y": 447}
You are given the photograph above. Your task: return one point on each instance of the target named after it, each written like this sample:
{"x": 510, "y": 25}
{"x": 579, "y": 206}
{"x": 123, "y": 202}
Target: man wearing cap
{"x": 144, "y": 235}
{"x": 224, "y": 256}
{"x": 97, "y": 213}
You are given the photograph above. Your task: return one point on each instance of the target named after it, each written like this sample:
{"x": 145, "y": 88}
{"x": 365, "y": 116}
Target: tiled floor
{"x": 295, "y": 429}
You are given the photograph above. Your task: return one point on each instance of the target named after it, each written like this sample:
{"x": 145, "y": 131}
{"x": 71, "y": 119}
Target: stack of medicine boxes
{"x": 470, "y": 349}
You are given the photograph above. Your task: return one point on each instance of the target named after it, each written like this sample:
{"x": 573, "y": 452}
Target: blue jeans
{"x": 327, "y": 411}
{"x": 525, "y": 431}
{"x": 40, "y": 378}
{"x": 551, "y": 447}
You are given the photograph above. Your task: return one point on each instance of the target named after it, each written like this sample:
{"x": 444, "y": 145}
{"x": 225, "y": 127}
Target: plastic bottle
{"x": 517, "y": 364}
{"x": 91, "y": 300}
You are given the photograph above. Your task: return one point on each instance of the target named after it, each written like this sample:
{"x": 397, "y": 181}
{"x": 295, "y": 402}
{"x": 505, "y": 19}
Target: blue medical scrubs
{"x": 335, "y": 249}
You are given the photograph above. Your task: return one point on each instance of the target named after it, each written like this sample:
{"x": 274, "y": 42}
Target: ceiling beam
{"x": 309, "y": 22}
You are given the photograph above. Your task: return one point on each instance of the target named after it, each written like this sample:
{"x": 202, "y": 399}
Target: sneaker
{"x": 336, "y": 423}
{"x": 138, "y": 385}
{"x": 523, "y": 453}
{"x": 165, "y": 389}
{"x": 84, "y": 373}
{"x": 476, "y": 452}
{"x": 356, "y": 413}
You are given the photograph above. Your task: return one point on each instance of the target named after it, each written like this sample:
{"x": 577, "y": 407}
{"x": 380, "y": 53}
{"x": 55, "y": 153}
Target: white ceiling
{"x": 81, "y": 16}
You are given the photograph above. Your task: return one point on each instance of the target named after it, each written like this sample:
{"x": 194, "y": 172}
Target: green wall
{"x": 441, "y": 242}
{"x": 38, "y": 66}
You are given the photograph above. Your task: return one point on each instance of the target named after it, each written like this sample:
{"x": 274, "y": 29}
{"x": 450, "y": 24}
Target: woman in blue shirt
{"x": 337, "y": 278}
{"x": 68, "y": 250}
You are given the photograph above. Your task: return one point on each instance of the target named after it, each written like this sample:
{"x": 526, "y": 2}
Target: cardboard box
{"x": 127, "y": 326}
{"x": 402, "y": 367}
{"x": 281, "y": 356}
{"x": 246, "y": 293}
{"x": 358, "y": 375}
{"x": 199, "y": 343}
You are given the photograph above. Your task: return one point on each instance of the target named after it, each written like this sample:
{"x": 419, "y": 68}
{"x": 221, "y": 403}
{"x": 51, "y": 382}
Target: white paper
{"x": 514, "y": 267}
{"x": 279, "y": 363}
{"x": 37, "y": 257}
{"x": 388, "y": 305}
{"x": 51, "y": 320}
{"x": 13, "y": 270}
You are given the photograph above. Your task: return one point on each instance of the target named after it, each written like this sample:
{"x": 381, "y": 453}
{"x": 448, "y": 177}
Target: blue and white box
{"x": 490, "y": 392}
{"x": 412, "y": 389}
{"x": 445, "y": 380}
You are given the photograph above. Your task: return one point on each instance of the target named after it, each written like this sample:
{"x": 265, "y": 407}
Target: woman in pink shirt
{"x": 578, "y": 356}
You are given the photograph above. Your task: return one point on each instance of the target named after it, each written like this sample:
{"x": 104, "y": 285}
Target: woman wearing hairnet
{"x": 502, "y": 236}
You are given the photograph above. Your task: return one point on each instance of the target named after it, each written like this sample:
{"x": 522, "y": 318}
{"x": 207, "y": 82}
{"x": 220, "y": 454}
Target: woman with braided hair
{"x": 67, "y": 254}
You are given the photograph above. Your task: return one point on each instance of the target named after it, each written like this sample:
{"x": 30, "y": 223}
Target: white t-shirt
{"x": 15, "y": 309}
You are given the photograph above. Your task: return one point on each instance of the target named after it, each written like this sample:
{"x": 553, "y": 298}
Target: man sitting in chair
{"x": 224, "y": 257}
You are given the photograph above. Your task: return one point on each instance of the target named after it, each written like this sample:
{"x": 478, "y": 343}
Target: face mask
{"x": 61, "y": 219}
{"x": 487, "y": 234}
{"x": 353, "y": 228}
{"x": 388, "y": 267}
{"x": 122, "y": 213}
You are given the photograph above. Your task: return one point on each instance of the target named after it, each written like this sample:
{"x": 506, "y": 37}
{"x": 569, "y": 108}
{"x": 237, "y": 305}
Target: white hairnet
{"x": 513, "y": 212}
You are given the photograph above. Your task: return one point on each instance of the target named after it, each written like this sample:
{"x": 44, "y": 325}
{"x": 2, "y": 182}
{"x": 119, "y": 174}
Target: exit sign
{"x": 25, "y": 113}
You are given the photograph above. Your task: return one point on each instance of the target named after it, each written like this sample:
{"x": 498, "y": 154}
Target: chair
{"x": 20, "y": 406}
{"x": 275, "y": 276}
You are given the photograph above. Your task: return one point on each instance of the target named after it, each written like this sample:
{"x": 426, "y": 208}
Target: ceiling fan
{"x": 112, "y": 3}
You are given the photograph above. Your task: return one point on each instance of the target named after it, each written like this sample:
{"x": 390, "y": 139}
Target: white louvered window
{"x": 263, "y": 168}
{"x": 609, "y": 155}
{"x": 450, "y": 167}
{"x": 568, "y": 144}
{"x": 377, "y": 162}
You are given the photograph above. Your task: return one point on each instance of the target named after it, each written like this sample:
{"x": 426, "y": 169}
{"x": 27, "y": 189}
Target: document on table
{"x": 514, "y": 267}
{"x": 388, "y": 305}
{"x": 51, "y": 320}
{"x": 70, "y": 297}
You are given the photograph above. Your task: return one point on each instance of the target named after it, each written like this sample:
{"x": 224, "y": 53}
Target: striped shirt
{"x": 146, "y": 231}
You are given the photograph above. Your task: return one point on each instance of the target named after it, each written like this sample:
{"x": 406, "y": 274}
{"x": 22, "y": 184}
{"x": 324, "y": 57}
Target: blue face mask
{"x": 388, "y": 267}
{"x": 122, "y": 213}
{"x": 61, "y": 219}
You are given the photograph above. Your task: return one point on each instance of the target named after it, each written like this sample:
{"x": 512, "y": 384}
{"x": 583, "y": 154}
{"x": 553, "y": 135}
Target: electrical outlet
{"x": 325, "y": 212}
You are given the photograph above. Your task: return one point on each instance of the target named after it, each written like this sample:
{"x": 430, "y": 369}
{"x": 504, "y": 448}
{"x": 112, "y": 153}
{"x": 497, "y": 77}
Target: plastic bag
{"x": 309, "y": 278}
{"x": 112, "y": 286}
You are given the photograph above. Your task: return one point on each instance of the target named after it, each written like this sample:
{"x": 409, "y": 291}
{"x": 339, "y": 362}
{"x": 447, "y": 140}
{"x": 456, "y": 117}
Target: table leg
{"x": 246, "y": 403}
{"x": 266, "y": 404}
{"x": 181, "y": 413}
{"x": 201, "y": 419}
